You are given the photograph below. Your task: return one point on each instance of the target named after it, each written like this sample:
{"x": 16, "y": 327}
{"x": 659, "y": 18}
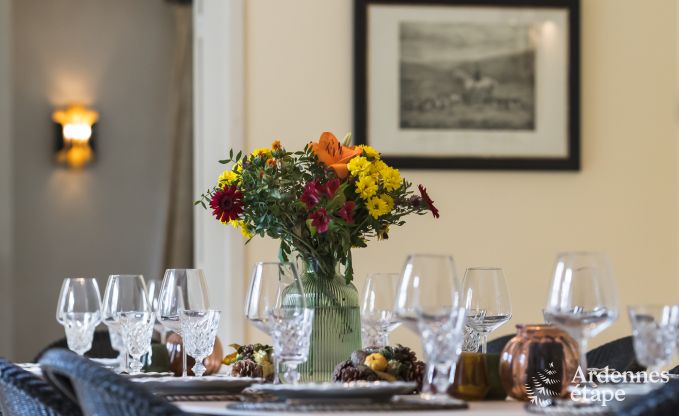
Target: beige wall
{"x": 624, "y": 201}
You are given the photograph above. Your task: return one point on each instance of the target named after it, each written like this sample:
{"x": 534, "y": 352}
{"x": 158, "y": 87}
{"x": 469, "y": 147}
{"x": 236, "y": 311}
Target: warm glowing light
{"x": 78, "y": 132}
{"x": 76, "y": 128}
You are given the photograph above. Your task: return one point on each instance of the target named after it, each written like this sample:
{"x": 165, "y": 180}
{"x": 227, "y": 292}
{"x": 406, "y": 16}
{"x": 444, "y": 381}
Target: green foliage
{"x": 272, "y": 183}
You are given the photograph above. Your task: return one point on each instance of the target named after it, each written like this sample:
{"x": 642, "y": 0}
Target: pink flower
{"x": 427, "y": 200}
{"x": 330, "y": 187}
{"x": 346, "y": 212}
{"x": 310, "y": 195}
{"x": 320, "y": 220}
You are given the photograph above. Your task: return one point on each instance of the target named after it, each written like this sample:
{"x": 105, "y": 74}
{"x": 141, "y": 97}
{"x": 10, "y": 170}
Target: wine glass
{"x": 199, "y": 329}
{"x": 153, "y": 288}
{"x": 124, "y": 293}
{"x": 428, "y": 301}
{"x": 487, "y": 301}
{"x": 291, "y": 326}
{"x": 582, "y": 298}
{"x": 182, "y": 289}
{"x": 79, "y": 311}
{"x": 654, "y": 328}
{"x": 137, "y": 329}
{"x": 269, "y": 280}
{"x": 378, "y": 318}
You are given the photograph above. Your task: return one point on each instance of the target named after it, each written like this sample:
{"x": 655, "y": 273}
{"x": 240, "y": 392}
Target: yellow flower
{"x": 369, "y": 151}
{"x": 377, "y": 207}
{"x": 227, "y": 178}
{"x": 242, "y": 227}
{"x": 358, "y": 166}
{"x": 239, "y": 167}
{"x": 389, "y": 200}
{"x": 366, "y": 187}
{"x": 391, "y": 178}
{"x": 262, "y": 151}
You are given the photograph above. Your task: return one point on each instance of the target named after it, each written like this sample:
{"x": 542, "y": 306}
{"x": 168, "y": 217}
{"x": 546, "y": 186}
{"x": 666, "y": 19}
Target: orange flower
{"x": 331, "y": 153}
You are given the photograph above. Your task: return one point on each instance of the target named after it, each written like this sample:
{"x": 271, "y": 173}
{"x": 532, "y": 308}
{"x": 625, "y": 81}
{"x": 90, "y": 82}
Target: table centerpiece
{"x": 319, "y": 202}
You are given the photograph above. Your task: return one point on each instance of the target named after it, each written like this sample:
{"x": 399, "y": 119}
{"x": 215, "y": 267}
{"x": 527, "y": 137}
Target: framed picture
{"x": 469, "y": 84}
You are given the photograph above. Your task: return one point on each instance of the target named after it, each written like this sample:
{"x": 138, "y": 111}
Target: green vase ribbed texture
{"x": 336, "y": 329}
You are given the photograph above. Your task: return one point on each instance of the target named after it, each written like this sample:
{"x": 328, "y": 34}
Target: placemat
{"x": 346, "y": 406}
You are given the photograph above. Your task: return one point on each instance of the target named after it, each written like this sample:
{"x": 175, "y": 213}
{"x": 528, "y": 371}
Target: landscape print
{"x": 477, "y": 76}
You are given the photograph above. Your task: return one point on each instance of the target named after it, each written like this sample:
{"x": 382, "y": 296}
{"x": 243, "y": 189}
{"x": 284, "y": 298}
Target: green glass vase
{"x": 336, "y": 329}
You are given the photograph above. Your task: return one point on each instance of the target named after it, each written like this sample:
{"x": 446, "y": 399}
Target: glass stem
{"x": 484, "y": 342}
{"x": 184, "y": 370}
{"x": 428, "y": 379}
{"x": 441, "y": 380}
{"x": 582, "y": 346}
{"x": 383, "y": 339}
{"x": 276, "y": 371}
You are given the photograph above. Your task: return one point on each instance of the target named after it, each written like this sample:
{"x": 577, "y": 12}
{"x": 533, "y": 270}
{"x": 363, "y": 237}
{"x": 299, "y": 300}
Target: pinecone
{"x": 416, "y": 374}
{"x": 366, "y": 374}
{"x": 345, "y": 372}
{"x": 246, "y": 368}
{"x": 404, "y": 354}
{"x": 246, "y": 352}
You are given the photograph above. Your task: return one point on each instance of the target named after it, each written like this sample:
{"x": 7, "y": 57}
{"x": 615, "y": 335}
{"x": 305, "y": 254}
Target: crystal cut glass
{"x": 137, "y": 330}
{"x": 199, "y": 329}
{"x": 654, "y": 328}
{"x": 291, "y": 331}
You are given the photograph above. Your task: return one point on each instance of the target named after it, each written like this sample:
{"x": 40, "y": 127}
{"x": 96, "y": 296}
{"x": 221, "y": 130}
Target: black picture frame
{"x": 360, "y": 98}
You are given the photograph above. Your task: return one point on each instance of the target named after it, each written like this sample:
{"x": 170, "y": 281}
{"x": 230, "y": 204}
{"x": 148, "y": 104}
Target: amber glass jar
{"x": 540, "y": 360}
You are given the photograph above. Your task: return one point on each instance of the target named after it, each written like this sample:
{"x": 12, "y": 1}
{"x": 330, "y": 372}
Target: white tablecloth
{"x": 503, "y": 408}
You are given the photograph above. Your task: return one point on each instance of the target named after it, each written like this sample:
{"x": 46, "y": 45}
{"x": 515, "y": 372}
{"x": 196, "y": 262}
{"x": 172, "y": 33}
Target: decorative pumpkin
{"x": 174, "y": 349}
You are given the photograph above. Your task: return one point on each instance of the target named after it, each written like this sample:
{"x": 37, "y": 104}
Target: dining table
{"x": 507, "y": 407}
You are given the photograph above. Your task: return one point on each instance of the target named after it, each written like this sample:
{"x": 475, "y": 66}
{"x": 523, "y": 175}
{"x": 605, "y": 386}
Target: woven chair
{"x": 496, "y": 345}
{"x": 659, "y": 402}
{"x": 100, "y": 391}
{"x": 101, "y": 347}
{"x": 25, "y": 394}
{"x": 618, "y": 354}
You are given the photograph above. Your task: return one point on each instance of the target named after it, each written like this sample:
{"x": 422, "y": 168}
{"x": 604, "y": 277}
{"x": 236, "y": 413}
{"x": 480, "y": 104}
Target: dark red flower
{"x": 320, "y": 219}
{"x": 310, "y": 195}
{"x": 427, "y": 200}
{"x": 346, "y": 212}
{"x": 330, "y": 187}
{"x": 227, "y": 203}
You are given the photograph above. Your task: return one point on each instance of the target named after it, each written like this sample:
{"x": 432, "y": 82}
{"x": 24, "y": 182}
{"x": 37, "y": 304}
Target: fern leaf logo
{"x": 543, "y": 386}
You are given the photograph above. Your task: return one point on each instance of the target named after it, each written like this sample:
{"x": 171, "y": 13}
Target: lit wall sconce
{"x": 75, "y": 135}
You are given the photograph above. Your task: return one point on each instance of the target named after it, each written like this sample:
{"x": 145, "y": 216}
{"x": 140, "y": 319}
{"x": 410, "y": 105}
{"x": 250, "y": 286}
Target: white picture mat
{"x": 548, "y": 140}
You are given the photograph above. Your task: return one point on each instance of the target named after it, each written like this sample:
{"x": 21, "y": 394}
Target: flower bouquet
{"x": 319, "y": 202}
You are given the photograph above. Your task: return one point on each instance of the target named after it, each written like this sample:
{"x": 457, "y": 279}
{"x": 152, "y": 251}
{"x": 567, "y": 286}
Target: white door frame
{"x": 219, "y": 125}
{"x": 6, "y": 200}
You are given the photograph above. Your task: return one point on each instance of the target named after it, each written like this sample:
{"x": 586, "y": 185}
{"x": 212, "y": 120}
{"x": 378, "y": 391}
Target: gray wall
{"x": 109, "y": 218}
{"x": 5, "y": 183}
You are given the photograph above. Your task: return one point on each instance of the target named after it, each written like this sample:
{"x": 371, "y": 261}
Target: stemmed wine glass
{"x": 200, "y": 330}
{"x": 182, "y": 289}
{"x": 378, "y": 317}
{"x": 290, "y": 323}
{"x": 153, "y": 288}
{"x": 582, "y": 298}
{"x": 125, "y": 311}
{"x": 269, "y": 280}
{"x": 654, "y": 328}
{"x": 486, "y": 300}
{"x": 428, "y": 301}
{"x": 79, "y": 311}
